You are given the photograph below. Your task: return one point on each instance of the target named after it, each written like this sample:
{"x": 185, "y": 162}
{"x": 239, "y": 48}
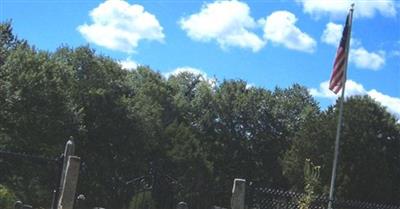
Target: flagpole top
{"x": 352, "y": 6}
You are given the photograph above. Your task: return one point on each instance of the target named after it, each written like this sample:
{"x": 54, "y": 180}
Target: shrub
{"x": 7, "y": 198}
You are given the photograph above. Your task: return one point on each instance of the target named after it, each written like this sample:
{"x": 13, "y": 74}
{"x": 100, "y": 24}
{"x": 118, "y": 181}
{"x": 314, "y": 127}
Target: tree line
{"x": 203, "y": 134}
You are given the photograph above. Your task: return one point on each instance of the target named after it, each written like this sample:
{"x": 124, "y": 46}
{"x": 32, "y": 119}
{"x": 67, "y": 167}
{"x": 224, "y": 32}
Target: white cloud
{"x": 353, "y": 88}
{"x": 280, "y": 28}
{"x": 128, "y": 64}
{"x": 117, "y": 25}
{"x": 395, "y": 53}
{"x": 226, "y": 22}
{"x": 363, "y": 8}
{"x": 358, "y": 54}
{"x": 179, "y": 70}
{"x": 194, "y": 71}
{"x": 332, "y": 34}
{"x": 392, "y": 103}
{"x": 367, "y": 60}
{"x": 250, "y": 85}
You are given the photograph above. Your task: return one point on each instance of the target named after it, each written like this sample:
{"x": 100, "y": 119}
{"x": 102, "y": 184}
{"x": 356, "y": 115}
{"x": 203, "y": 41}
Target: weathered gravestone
{"x": 238, "y": 194}
{"x": 67, "y": 194}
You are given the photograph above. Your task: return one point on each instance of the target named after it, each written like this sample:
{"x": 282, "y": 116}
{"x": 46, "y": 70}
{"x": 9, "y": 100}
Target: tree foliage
{"x": 202, "y": 132}
{"x": 311, "y": 184}
{"x": 7, "y": 198}
{"x": 369, "y": 145}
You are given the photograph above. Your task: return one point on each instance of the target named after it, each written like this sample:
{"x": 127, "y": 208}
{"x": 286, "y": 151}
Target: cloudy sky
{"x": 267, "y": 43}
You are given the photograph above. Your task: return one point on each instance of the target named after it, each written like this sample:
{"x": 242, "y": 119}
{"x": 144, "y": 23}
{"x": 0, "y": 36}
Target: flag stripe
{"x": 337, "y": 83}
{"x": 338, "y": 64}
{"x": 339, "y": 56}
{"x": 339, "y": 69}
{"x": 338, "y": 72}
{"x": 337, "y": 76}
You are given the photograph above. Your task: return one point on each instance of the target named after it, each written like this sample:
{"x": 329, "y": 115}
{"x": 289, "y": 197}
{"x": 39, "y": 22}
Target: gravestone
{"x": 67, "y": 195}
{"x": 238, "y": 194}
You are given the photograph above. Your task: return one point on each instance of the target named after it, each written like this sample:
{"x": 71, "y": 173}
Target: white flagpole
{"x": 339, "y": 125}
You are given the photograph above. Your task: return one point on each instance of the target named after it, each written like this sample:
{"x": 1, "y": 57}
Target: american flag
{"x": 339, "y": 72}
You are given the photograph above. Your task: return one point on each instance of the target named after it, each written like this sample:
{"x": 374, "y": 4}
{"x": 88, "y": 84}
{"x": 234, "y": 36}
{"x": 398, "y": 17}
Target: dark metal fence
{"x": 154, "y": 191}
{"x": 158, "y": 190}
{"x": 267, "y": 198}
{"x": 54, "y": 163}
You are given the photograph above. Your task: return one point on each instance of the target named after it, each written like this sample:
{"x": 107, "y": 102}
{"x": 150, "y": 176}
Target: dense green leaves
{"x": 202, "y": 132}
{"x": 369, "y": 155}
{"x": 7, "y": 198}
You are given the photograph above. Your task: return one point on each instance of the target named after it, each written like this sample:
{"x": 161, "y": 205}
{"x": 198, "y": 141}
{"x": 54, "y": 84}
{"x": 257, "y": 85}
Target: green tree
{"x": 8, "y": 41}
{"x": 36, "y": 117}
{"x": 311, "y": 184}
{"x": 111, "y": 139}
{"x": 202, "y": 132}
{"x": 7, "y": 198}
{"x": 189, "y": 142}
{"x": 367, "y": 160}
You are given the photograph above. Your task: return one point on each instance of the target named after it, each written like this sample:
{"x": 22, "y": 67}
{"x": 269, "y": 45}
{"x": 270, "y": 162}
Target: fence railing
{"x": 158, "y": 190}
{"x": 267, "y": 198}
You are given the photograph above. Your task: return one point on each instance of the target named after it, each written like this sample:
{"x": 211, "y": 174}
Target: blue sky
{"x": 264, "y": 42}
